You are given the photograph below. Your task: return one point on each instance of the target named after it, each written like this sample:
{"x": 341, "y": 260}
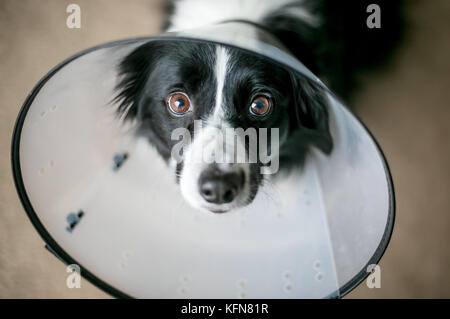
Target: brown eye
{"x": 260, "y": 106}
{"x": 178, "y": 103}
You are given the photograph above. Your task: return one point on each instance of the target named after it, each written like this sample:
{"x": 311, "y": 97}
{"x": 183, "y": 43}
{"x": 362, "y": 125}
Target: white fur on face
{"x": 206, "y": 141}
{"x": 222, "y": 58}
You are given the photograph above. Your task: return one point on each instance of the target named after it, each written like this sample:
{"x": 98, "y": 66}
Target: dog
{"x": 168, "y": 85}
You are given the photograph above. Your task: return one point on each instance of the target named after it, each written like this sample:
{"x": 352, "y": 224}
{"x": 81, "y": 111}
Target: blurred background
{"x": 406, "y": 106}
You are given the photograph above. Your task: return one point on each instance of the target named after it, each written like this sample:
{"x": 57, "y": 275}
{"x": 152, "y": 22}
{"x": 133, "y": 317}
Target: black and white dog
{"x": 168, "y": 85}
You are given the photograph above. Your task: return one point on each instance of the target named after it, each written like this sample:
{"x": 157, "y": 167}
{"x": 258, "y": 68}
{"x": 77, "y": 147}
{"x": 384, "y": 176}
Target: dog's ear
{"x": 133, "y": 71}
{"x": 309, "y": 117}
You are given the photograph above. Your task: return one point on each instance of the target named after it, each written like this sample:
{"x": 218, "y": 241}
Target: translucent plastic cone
{"x": 87, "y": 187}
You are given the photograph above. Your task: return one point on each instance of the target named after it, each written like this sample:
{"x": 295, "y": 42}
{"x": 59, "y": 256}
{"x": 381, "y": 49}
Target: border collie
{"x": 167, "y": 85}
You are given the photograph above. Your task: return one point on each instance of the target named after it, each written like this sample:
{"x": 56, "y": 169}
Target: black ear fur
{"x": 134, "y": 70}
{"x": 310, "y": 115}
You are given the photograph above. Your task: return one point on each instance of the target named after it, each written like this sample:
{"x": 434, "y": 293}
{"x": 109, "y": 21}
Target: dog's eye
{"x": 178, "y": 103}
{"x": 260, "y": 106}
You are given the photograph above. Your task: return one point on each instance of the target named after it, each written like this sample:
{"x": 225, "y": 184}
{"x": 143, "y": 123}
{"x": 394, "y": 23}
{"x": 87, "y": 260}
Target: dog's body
{"x": 171, "y": 85}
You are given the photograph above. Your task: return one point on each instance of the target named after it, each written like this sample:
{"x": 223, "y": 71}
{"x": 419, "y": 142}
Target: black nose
{"x": 220, "y": 187}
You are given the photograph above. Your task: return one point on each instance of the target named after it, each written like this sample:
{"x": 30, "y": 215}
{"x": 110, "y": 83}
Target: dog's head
{"x": 224, "y": 116}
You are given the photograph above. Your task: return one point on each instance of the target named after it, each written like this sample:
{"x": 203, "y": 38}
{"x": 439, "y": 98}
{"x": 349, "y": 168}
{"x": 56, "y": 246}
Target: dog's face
{"x": 207, "y": 90}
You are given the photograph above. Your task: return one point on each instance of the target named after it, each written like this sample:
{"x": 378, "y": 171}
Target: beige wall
{"x": 407, "y": 109}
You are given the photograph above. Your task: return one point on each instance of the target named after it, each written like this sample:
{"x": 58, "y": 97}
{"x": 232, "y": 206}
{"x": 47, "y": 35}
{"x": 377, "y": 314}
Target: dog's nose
{"x": 220, "y": 187}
